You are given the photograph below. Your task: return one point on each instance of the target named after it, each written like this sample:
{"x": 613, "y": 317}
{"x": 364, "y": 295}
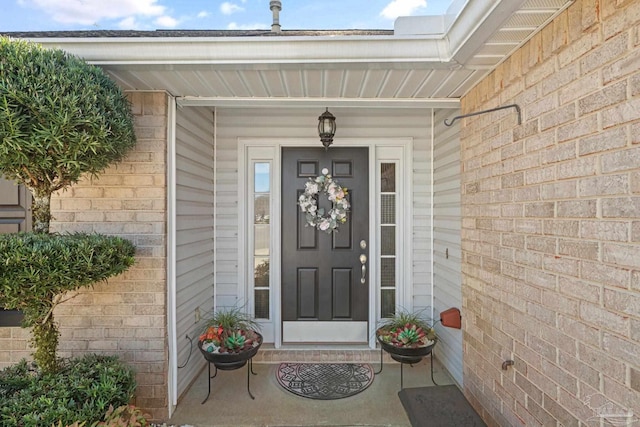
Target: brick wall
{"x": 14, "y": 345}
{"x": 127, "y": 315}
{"x": 551, "y": 224}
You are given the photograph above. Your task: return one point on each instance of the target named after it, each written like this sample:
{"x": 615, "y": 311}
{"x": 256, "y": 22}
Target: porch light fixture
{"x": 326, "y": 128}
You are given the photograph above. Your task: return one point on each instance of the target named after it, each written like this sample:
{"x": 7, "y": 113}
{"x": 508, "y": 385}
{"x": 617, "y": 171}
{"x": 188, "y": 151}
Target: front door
{"x": 325, "y": 281}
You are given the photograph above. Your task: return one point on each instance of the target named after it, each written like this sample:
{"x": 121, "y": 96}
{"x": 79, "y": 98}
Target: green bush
{"x": 83, "y": 390}
{"x": 60, "y": 118}
{"x": 122, "y": 416}
{"x": 37, "y": 269}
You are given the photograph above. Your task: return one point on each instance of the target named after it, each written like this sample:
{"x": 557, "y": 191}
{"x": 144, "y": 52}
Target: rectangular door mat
{"x": 439, "y": 406}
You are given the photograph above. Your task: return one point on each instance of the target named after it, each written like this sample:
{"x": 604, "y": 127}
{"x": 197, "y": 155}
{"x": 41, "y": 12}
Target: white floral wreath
{"x": 316, "y": 217}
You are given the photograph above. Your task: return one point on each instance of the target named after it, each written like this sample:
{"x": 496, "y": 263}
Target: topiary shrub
{"x": 83, "y": 390}
{"x": 37, "y": 269}
{"x": 60, "y": 118}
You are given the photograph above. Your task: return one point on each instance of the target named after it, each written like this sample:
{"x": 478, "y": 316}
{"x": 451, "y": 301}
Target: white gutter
{"x": 478, "y": 20}
{"x": 255, "y": 50}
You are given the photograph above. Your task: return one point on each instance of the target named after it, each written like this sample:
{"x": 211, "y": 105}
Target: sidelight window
{"x": 261, "y": 239}
{"x": 388, "y": 231}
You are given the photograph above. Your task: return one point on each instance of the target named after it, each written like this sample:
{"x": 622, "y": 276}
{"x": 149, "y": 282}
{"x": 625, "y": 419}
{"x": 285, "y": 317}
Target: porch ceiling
{"x": 413, "y": 65}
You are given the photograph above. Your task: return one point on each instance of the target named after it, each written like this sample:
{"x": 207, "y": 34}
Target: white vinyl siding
{"x": 446, "y": 238}
{"x": 421, "y": 204}
{"x": 194, "y": 234}
{"x": 195, "y": 252}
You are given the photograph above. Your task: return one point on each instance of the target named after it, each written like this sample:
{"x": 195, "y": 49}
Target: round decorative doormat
{"x": 325, "y": 381}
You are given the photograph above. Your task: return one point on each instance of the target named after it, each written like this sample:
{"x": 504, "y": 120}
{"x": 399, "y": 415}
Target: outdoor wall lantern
{"x": 326, "y": 128}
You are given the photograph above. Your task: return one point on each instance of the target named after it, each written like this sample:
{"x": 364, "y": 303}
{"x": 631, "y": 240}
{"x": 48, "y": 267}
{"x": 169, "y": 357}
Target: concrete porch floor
{"x": 230, "y": 405}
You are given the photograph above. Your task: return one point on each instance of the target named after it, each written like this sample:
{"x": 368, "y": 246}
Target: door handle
{"x": 363, "y": 261}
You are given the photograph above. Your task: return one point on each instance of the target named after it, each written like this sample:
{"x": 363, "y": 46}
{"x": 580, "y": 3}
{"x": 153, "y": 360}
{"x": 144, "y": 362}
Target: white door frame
{"x": 396, "y": 145}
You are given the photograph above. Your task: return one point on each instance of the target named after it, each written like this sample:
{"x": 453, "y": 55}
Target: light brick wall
{"x": 551, "y": 260}
{"x": 14, "y": 345}
{"x": 127, "y": 315}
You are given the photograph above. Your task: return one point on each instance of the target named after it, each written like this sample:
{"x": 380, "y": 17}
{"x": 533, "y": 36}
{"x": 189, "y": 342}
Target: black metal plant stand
{"x": 405, "y": 356}
{"x": 249, "y": 373}
{"x": 230, "y": 362}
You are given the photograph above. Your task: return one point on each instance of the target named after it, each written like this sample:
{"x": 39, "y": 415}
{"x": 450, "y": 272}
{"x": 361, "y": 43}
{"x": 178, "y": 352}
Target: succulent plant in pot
{"x": 406, "y": 336}
{"x": 407, "y": 329}
{"x": 229, "y": 338}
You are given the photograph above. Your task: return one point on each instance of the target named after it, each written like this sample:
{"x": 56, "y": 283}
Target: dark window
{"x": 14, "y": 216}
{"x": 10, "y": 317}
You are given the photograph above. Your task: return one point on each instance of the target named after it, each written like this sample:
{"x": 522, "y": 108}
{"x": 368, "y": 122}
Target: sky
{"x": 56, "y": 15}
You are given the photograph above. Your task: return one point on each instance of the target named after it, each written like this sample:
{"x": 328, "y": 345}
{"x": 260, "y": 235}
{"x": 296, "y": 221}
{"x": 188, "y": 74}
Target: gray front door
{"x": 324, "y": 296}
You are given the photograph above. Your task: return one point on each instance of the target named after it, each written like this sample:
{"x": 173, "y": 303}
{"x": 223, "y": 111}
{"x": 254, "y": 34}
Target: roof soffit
{"x": 354, "y": 66}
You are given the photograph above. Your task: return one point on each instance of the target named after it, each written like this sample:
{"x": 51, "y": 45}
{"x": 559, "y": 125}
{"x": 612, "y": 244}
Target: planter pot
{"x": 231, "y": 361}
{"x": 405, "y": 354}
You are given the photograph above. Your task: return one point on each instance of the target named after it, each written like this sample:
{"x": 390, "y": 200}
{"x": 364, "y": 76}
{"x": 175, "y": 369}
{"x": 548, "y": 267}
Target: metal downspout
{"x": 433, "y": 141}
{"x": 215, "y": 205}
{"x": 172, "y": 383}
